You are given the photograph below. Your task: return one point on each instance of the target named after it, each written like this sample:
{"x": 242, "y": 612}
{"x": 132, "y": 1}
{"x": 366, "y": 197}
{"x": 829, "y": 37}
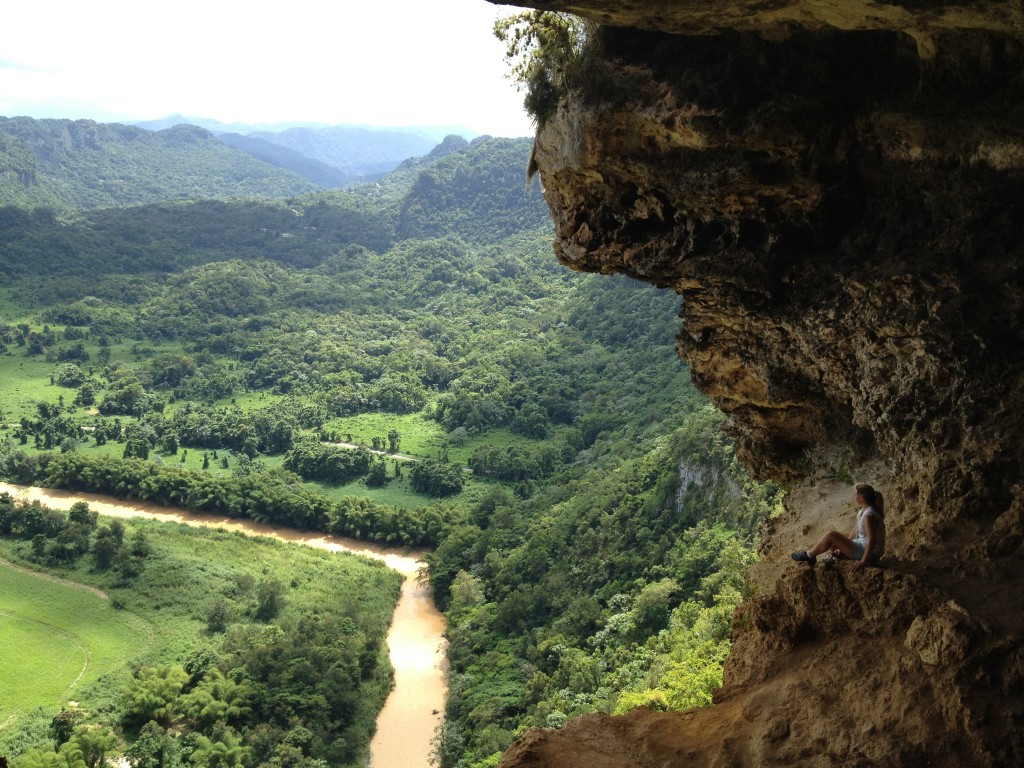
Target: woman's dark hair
{"x": 872, "y": 497}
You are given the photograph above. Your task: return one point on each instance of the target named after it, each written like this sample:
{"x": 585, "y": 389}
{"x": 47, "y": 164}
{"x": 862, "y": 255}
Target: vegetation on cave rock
{"x": 546, "y": 51}
{"x": 405, "y": 363}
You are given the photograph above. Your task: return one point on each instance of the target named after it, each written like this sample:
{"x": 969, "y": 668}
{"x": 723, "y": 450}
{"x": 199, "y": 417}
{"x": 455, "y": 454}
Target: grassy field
{"x": 26, "y": 379}
{"x": 425, "y": 439}
{"x": 397, "y": 492}
{"x": 57, "y": 640}
{"x": 191, "y": 567}
{"x": 500, "y": 438}
{"x": 420, "y": 437}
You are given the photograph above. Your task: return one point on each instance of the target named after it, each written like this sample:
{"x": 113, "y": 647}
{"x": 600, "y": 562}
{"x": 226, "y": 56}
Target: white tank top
{"x": 862, "y": 534}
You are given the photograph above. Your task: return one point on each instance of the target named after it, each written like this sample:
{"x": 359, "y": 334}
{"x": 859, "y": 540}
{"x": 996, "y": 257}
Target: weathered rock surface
{"x": 836, "y": 190}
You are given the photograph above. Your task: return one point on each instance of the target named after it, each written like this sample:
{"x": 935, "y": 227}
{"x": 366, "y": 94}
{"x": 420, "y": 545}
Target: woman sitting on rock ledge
{"x": 865, "y": 544}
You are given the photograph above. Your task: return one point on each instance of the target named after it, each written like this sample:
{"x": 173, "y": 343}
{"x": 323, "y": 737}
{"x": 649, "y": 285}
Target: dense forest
{"x": 402, "y": 362}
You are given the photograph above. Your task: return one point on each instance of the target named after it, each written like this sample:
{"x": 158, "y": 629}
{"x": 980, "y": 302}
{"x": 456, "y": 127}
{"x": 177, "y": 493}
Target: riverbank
{"x": 416, "y": 642}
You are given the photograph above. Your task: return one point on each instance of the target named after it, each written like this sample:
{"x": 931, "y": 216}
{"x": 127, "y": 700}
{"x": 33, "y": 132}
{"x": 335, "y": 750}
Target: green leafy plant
{"x": 546, "y": 51}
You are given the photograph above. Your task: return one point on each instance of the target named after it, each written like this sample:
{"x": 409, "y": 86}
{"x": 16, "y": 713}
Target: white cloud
{"x": 389, "y": 62}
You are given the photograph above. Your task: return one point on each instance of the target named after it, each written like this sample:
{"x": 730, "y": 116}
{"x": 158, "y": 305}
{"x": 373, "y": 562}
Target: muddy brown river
{"x": 416, "y": 644}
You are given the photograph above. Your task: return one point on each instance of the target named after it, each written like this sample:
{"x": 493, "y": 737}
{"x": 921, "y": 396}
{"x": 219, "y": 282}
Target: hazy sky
{"x": 376, "y": 62}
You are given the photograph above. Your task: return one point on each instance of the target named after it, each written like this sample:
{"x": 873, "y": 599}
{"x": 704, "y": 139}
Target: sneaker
{"x": 803, "y": 557}
{"x": 829, "y": 562}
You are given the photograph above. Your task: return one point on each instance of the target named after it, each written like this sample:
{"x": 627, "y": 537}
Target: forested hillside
{"x": 78, "y": 164}
{"x": 403, "y": 362}
{"x": 485, "y": 194}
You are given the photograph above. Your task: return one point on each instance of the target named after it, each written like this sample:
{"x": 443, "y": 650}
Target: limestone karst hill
{"x": 836, "y": 192}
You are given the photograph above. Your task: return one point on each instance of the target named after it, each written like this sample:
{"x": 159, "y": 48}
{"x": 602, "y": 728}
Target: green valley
{"x": 402, "y": 362}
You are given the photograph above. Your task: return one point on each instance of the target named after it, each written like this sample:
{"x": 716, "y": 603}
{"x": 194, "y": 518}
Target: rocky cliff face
{"x": 836, "y": 190}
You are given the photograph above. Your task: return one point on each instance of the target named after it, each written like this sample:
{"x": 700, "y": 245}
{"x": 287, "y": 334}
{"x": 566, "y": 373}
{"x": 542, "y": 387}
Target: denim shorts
{"x": 858, "y": 552}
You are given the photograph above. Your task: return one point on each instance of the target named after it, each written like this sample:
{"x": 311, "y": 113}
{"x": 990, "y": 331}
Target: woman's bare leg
{"x": 832, "y": 540}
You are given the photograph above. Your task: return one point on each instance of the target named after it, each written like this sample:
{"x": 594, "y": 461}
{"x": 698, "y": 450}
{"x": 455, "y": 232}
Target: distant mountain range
{"x": 282, "y": 157}
{"x": 358, "y": 152}
{"x": 432, "y": 132}
{"x": 81, "y": 164}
